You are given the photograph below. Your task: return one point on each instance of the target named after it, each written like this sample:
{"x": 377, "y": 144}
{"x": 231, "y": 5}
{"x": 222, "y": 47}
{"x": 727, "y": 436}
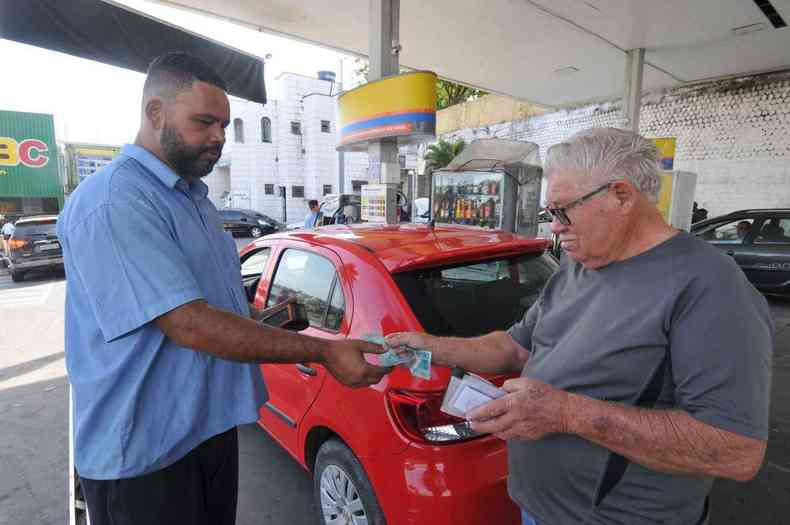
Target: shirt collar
{"x": 162, "y": 171}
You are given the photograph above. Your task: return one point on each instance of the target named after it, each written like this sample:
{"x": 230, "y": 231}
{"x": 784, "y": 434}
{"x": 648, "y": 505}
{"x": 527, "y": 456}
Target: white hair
{"x": 602, "y": 155}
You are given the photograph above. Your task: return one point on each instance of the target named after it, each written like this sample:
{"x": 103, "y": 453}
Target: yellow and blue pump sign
{"x": 401, "y": 106}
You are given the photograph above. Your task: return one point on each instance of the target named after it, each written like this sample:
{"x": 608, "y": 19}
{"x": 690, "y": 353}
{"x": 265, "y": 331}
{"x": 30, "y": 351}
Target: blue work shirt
{"x": 138, "y": 242}
{"x": 309, "y": 220}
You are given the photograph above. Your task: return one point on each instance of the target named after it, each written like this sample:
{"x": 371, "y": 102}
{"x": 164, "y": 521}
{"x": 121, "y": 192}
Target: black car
{"x": 247, "y": 222}
{"x": 34, "y": 246}
{"x": 758, "y": 240}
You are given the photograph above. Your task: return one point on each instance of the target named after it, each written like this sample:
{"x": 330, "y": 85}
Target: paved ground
{"x": 274, "y": 488}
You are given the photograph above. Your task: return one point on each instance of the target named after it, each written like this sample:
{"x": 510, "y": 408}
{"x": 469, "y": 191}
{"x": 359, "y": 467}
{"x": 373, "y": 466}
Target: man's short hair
{"x": 171, "y": 73}
{"x": 312, "y": 203}
{"x": 608, "y": 155}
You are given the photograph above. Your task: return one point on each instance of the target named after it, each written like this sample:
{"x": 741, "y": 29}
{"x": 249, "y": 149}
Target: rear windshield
{"x": 475, "y": 299}
{"x": 38, "y": 228}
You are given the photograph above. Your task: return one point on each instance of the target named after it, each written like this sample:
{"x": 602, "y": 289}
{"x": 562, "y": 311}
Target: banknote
{"x": 418, "y": 361}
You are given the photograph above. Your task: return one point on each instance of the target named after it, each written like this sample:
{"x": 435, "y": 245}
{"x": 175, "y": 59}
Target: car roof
{"x": 407, "y": 246}
{"x": 36, "y": 218}
{"x": 739, "y": 213}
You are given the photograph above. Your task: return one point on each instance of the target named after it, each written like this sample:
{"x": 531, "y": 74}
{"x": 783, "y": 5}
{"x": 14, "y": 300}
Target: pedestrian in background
{"x": 6, "y": 232}
{"x": 645, "y": 363}
{"x": 312, "y": 215}
{"x": 161, "y": 352}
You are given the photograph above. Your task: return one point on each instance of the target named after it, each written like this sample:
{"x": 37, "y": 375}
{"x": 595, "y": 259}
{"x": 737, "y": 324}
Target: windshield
{"x": 28, "y": 229}
{"x": 475, "y": 299}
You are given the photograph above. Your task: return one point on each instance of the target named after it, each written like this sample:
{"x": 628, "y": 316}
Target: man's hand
{"x": 345, "y": 362}
{"x": 531, "y": 410}
{"x": 421, "y": 341}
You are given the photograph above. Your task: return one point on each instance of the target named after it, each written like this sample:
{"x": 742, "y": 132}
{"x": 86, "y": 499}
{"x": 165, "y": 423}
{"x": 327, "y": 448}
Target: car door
{"x": 732, "y": 236}
{"x": 308, "y": 273}
{"x": 766, "y": 259}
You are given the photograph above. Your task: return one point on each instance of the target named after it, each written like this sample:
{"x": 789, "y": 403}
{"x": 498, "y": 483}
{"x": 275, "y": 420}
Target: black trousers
{"x": 199, "y": 489}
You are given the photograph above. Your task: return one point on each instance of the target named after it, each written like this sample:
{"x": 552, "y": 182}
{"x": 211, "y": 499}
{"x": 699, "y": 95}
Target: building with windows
{"x": 279, "y": 156}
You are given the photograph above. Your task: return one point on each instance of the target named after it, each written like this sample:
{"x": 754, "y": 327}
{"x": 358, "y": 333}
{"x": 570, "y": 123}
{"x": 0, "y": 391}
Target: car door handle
{"x": 730, "y": 252}
{"x": 306, "y": 369}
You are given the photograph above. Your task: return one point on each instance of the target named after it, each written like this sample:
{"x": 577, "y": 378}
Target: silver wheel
{"x": 256, "y": 232}
{"x": 340, "y": 501}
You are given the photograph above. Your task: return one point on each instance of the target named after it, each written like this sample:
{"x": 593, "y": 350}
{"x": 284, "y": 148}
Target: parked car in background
{"x": 387, "y": 454}
{"x": 247, "y": 222}
{"x": 34, "y": 246}
{"x": 758, "y": 240}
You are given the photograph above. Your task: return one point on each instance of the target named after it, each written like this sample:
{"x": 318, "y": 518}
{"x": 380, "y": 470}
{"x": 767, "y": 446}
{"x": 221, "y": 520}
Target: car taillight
{"x": 418, "y": 415}
{"x": 17, "y": 244}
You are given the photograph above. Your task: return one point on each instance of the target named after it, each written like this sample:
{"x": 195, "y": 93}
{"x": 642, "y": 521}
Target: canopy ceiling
{"x": 550, "y": 52}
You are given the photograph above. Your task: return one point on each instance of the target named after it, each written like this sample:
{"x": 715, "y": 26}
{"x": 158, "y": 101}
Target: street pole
{"x": 632, "y": 96}
{"x": 384, "y": 47}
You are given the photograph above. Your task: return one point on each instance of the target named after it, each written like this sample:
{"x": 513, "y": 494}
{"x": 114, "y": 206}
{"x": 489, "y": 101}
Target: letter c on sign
{"x": 32, "y": 153}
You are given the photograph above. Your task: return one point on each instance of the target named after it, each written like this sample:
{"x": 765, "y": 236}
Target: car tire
{"x": 17, "y": 277}
{"x": 256, "y": 232}
{"x": 341, "y": 485}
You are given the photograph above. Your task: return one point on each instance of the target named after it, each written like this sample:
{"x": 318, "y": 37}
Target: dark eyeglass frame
{"x": 561, "y": 213}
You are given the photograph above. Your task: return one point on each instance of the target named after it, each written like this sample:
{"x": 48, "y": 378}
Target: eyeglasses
{"x": 561, "y": 214}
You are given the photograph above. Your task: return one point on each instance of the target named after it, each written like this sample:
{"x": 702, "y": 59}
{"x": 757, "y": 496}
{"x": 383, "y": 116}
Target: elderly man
{"x": 645, "y": 364}
{"x": 160, "y": 350}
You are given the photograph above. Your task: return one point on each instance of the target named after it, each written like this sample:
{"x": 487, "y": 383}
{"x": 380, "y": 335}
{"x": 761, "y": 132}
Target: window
{"x": 296, "y": 128}
{"x": 230, "y": 215}
{"x": 310, "y": 279}
{"x": 469, "y": 300}
{"x": 336, "y": 310}
{"x": 297, "y": 192}
{"x": 356, "y": 185}
{"x": 402, "y": 161}
{"x": 251, "y": 269}
{"x": 324, "y": 126}
{"x": 266, "y": 130}
{"x": 254, "y": 264}
{"x": 238, "y": 130}
{"x": 327, "y": 189}
{"x": 268, "y": 189}
{"x": 732, "y": 232}
{"x": 774, "y": 230}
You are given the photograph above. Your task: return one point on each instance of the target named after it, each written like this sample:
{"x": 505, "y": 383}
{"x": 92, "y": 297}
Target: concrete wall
{"x": 487, "y": 110}
{"x": 734, "y": 134}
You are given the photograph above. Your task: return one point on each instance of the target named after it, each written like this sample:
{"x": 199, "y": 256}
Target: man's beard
{"x": 186, "y": 161}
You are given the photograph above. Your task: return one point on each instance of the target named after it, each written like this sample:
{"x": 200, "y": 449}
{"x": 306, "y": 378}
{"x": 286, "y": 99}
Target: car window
{"x": 731, "y": 232}
{"x": 255, "y": 264}
{"x": 469, "y": 300}
{"x": 308, "y": 278}
{"x": 774, "y": 230}
{"x": 38, "y": 228}
{"x": 337, "y": 308}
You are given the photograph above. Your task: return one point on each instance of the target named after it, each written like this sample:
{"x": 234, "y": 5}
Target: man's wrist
{"x": 573, "y": 410}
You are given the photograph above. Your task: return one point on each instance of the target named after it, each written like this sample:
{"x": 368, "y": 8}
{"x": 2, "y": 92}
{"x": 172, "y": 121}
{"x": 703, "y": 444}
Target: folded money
{"x": 418, "y": 361}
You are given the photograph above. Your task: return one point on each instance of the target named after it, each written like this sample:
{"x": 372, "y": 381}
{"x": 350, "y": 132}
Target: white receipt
{"x": 469, "y": 398}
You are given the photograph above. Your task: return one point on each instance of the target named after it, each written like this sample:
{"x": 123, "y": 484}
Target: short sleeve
{"x": 521, "y": 332}
{"x": 131, "y": 269}
{"x": 721, "y": 343}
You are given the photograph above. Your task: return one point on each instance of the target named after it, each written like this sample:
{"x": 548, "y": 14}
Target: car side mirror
{"x": 288, "y": 315}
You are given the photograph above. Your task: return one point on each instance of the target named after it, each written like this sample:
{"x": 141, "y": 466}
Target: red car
{"x": 387, "y": 454}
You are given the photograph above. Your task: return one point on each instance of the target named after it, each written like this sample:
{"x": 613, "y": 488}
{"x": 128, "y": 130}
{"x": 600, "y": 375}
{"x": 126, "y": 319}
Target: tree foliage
{"x": 440, "y": 154}
{"x": 447, "y": 93}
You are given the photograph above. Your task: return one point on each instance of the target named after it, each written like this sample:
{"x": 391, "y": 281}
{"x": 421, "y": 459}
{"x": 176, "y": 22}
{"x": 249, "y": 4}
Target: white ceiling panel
{"x": 515, "y": 47}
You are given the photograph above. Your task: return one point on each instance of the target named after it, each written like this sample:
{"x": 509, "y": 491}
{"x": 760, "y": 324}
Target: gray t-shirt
{"x": 605, "y": 334}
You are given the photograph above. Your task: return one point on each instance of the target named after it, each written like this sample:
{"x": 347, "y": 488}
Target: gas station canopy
{"x": 108, "y": 33}
{"x": 549, "y": 52}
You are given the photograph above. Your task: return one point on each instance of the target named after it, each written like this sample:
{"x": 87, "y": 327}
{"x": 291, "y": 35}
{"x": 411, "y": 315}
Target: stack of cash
{"x": 418, "y": 361}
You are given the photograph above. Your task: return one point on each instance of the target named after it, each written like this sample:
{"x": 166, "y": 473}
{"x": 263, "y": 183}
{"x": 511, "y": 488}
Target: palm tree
{"x": 440, "y": 154}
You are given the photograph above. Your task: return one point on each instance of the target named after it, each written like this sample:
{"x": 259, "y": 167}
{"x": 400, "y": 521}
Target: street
{"x": 273, "y": 487}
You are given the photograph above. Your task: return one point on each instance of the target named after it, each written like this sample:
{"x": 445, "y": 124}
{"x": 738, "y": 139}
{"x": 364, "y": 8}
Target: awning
{"x": 115, "y": 35}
